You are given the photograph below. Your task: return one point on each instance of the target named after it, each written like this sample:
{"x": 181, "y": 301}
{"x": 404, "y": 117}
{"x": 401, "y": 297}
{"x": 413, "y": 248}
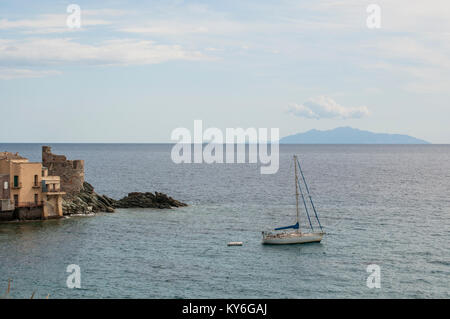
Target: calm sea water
{"x": 384, "y": 205}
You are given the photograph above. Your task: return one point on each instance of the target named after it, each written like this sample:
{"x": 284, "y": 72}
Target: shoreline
{"x": 56, "y": 187}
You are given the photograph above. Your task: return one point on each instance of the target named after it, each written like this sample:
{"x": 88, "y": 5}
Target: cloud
{"x": 417, "y": 78}
{"x": 166, "y": 29}
{"x": 44, "y": 51}
{"x": 12, "y": 73}
{"x": 417, "y": 60}
{"x": 420, "y": 38}
{"x": 57, "y": 23}
{"x": 325, "y": 107}
{"x": 420, "y": 50}
{"x": 410, "y": 16}
{"x": 49, "y": 23}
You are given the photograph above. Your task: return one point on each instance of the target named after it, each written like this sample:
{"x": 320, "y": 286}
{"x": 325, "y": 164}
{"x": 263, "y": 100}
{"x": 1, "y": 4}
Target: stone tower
{"x": 70, "y": 171}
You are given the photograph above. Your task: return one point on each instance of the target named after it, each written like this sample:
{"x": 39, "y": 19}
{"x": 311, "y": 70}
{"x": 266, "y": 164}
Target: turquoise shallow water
{"x": 385, "y": 205}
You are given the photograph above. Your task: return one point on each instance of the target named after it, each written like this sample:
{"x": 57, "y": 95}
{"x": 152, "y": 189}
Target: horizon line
{"x": 174, "y": 143}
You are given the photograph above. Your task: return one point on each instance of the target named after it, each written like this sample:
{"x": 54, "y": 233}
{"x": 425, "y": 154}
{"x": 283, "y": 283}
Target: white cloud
{"x": 325, "y": 107}
{"x": 410, "y": 16}
{"x": 49, "y": 23}
{"x": 65, "y": 51}
{"x": 166, "y": 29}
{"x": 423, "y": 50}
{"x": 266, "y": 28}
{"x": 174, "y": 26}
{"x": 422, "y": 61}
{"x": 13, "y": 73}
{"x": 57, "y": 23}
{"x": 107, "y": 12}
{"x": 418, "y": 79}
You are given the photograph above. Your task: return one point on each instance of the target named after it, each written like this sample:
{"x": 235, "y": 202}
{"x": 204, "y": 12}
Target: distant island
{"x": 348, "y": 135}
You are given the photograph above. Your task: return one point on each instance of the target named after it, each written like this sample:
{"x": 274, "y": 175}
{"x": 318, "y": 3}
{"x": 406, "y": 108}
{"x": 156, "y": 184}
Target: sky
{"x": 134, "y": 71}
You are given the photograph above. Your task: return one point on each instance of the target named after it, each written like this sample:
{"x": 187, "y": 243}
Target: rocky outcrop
{"x": 88, "y": 201}
{"x": 148, "y": 200}
{"x": 80, "y": 197}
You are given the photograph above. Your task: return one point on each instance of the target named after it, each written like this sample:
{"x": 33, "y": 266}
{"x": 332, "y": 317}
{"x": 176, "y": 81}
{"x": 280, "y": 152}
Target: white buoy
{"x": 235, "y": 243}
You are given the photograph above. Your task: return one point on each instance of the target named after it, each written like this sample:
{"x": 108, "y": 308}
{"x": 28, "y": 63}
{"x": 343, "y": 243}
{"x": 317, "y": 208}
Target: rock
{"x": 148, "y": 200}
{"x": 88, "y": 201}
{"x": 110, "y": 209}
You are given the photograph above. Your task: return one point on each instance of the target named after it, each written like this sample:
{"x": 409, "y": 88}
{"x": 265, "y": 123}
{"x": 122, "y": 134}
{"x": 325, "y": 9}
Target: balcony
{"x": 17, "y": 185}
{"x": 36, "y": 186}
{"x": 29, "y": 204}
{"x": 51, "y": 190}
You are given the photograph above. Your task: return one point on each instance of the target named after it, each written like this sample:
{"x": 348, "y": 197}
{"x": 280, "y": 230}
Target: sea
{"x": 385, "y": 210}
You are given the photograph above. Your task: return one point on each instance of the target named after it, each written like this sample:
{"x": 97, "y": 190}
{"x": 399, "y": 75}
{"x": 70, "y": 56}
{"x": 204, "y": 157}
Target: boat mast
{"x": 310, "y": 198}
{"x": 296, "y": 192}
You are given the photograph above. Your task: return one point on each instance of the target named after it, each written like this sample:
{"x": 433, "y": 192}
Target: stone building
{"x": 52, "y": 194}
{"x": 24, "y": 193}
{"x": 71, "y": 172}
{"x": 6, "y": 203}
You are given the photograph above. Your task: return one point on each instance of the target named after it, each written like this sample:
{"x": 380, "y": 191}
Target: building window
{"x": 36, "y": 198}
{"x": 36, "y": 180}
{"x": 16, "y": 200}
{"x": 16, "y": 181}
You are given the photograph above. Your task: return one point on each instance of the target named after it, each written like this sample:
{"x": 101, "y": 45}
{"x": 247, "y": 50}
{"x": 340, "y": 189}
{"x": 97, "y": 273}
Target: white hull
{"x": 292, "y": 238}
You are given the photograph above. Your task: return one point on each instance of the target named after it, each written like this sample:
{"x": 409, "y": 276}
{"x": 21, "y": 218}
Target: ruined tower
{"x": 70, "y": 171}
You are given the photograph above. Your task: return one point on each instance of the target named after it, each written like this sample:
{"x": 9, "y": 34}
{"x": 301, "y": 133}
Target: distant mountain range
{"x": 348, "y": 135}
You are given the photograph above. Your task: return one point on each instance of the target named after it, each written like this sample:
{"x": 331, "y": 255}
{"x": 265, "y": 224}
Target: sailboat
{"x": 296, "y": 236}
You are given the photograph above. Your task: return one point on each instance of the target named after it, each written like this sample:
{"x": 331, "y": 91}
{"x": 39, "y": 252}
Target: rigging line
{"x": 309, "y": 195}
{"x": 304, "y": 203}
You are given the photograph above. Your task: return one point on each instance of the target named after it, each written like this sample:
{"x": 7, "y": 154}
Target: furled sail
{"x": 296, "y": 226}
